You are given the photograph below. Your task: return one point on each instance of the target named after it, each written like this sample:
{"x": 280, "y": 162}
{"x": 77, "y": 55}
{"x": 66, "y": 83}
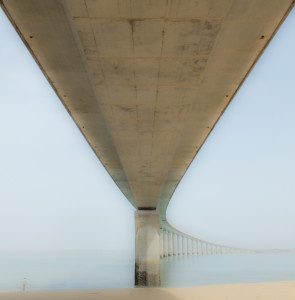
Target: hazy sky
{"x": 55, "y": 194}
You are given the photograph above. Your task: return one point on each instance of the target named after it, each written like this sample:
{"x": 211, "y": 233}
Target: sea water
{"x": 95, "y": 270}
{"x": 209, "y": 269}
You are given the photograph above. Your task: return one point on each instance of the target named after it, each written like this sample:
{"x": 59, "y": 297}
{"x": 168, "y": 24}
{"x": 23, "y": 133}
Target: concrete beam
{"x": 146, "y": 81}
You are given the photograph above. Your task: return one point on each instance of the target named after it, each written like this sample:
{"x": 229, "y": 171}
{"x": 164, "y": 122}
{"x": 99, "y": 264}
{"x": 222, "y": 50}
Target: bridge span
{"x": 146, "y": 81}
{"x": 174, "y": 243}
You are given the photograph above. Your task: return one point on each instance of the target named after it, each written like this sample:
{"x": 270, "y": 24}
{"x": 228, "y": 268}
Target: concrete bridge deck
{"x": 146, "y": 80}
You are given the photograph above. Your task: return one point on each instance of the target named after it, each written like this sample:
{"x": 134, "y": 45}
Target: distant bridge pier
{"x": 195, "y": 247}
{"x": 165, "y": 243}
{"x": 147, "y": 248}
{"x": 170, "y": 251}
{"x": 179, "y": 245}
{"x": 183, "y": 246}
{"x": 161, "y": 244}
{"x": 188, "y": 247}
{"x": 174, "y": 244}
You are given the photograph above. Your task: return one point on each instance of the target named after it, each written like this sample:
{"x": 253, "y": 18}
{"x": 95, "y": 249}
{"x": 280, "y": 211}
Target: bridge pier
{"x": 170, "y": 251}
{"x": 174, "y": 244}
{"x": 147, "y": 248}
{"x": 194, "y": 247}
{"x": 188, "y": 247}
{"x": 165, "y": 244}
{"x": 179, "y": 245}
{"x": 183, "y": 246}
{"x": 161, "y": 244}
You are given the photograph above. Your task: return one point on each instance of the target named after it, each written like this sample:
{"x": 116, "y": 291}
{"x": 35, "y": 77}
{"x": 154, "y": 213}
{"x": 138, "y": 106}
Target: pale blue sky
{"x": 55, "y": 194}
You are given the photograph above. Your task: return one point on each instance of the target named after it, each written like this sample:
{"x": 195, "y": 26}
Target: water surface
{"x": 227, "y": 268}
{"x": 94, "y": 270}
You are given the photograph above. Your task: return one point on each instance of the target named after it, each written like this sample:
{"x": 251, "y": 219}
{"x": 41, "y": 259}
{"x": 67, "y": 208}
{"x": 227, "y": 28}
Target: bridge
{"x": 174, "y": 243}
{"x": 146, "y": 81}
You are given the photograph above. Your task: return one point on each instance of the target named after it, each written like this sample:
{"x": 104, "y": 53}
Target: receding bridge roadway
{"x": 146, "y": 81}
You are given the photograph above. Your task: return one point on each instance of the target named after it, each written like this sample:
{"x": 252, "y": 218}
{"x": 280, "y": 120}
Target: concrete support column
{"x": 179, "y": 245}
{"x": 170, "y": 251}
{"x": 188, "y": 247}
{"x": 165, "y": 246}
{"x": 161, "y": 244}
{"x": 147, "y": 248}
{"x": 183, "y": 245}
{"x": 167, "y": 241}
{"x": 194, "y": 247}
{"x": 174, "y": 244}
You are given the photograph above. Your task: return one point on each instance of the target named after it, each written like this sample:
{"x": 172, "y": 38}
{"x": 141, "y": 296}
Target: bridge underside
{"x": 146, "y": 80}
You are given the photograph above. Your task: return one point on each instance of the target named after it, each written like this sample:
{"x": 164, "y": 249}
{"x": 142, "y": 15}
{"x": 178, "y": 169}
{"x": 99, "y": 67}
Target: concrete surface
{"x": 146, "y": 80}
{"x": 147, "y": 248}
